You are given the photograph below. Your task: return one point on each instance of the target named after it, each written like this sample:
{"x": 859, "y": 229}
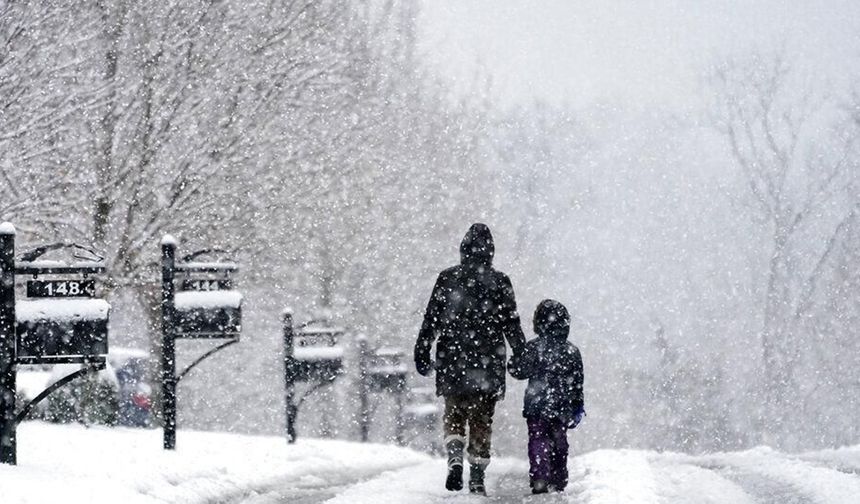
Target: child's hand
{"x": 577, "y": 417}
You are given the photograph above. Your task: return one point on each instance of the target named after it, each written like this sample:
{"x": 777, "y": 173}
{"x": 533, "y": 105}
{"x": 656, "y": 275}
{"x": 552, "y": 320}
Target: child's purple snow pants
{"x": 548, "y": 451}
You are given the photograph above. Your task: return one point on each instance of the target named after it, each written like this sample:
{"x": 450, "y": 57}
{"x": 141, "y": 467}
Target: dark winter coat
{"x": 472, "y": 311}
{"x": 553, "y": 367}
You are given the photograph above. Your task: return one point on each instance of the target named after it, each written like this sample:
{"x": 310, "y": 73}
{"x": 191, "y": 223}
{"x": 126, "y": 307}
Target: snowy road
{"x": 760, "y": 476}
{"x": 98, "y": 465}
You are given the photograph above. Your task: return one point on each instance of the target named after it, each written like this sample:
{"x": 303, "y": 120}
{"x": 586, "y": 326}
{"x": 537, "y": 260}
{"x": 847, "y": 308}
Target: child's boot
{"x": 539, "y": 486}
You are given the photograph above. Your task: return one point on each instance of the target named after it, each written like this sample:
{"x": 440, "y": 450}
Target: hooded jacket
{"x": 553, "y": 367}
{"x": 471, "y": 312}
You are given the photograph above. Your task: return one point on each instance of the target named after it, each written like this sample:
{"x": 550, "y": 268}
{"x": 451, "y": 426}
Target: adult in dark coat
{"x": 472, "y": 311}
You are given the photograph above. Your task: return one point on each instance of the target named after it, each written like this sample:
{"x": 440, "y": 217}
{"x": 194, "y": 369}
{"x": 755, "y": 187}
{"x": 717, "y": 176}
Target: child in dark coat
{"x": 554, "y": 399}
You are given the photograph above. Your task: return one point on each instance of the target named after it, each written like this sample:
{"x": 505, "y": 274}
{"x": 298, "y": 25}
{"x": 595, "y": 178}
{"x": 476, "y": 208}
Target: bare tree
{"x": 39, "y": 96}
{"x": 797, "y": 156}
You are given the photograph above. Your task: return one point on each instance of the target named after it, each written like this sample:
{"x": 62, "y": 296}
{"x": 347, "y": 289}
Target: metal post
{"x": 290, "y": 409}
{"x": 363, "y": 389}
{"x": 168, "y": 342}
{"x": 7, "y": 344}
{"x": 399, "y": 405}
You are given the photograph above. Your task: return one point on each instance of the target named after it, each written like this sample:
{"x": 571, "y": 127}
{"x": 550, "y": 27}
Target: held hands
{"x": 519, "y": 365}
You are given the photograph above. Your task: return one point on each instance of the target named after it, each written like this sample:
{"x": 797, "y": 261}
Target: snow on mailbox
{"x": 208, "y": 314}
{"x": 423, "y": 403}
{"x": 66, "y": 330}
{"x": 387, "y": 370}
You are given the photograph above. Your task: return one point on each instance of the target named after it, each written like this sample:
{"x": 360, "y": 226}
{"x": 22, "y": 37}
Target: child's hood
{"x": 552, "y": 320}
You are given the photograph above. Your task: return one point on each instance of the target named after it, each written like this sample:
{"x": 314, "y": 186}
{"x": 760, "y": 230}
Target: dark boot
{"x": 455, "y": 478}
{"x": 539, "y": 486}
{"x": 454, "y": 482}
{"x": 476, "y": 479}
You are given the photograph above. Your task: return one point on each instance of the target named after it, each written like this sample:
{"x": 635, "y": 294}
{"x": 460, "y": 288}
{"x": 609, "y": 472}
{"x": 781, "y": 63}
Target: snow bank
{"x": 7, "y": 228}
{"x": 102, "y": 465}
{"x": 190, "y": 300}
{"x": 31, "y": 383}
{"x": 66, "y": 310}
{"x": 845, "y": 459}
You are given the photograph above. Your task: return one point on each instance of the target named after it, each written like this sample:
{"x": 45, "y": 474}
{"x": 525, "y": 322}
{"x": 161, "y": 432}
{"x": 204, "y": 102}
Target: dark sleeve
{"x": 510, "y": 319}
{"x": 578, "y": 380}
{"x": 429, "y": 327}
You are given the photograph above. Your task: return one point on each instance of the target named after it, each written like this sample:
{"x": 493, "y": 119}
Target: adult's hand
{"x": 423, "y": 362}
{"x": 425, "y": 368}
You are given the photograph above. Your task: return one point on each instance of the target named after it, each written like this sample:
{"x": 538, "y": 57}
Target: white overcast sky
{"x": 632, "y": 51}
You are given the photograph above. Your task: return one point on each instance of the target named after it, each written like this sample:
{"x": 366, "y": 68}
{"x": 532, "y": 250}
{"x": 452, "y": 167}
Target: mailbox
{"x": 197, "y": 302}
{"x": 61, "y": 330}
{"x": 318, "y": 353}
{"x": 208, "y": 314}
{"x": 61, "y": 320}
{"x": 423, "y": 404}
{"x": 387, "y": 370}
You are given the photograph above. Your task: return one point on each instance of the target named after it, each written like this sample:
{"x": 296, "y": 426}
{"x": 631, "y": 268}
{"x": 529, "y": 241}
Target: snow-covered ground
{"x": 629, "y": 476}
{"x": 75, "y": 464}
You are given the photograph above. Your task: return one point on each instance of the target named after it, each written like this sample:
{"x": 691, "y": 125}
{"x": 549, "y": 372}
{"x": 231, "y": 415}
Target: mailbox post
{"x": 312, "y": 354}
{"x": 363, "y": 389}
{"x": 7, "y": 344}
{"x": 383, "y": 371}
{"x": 168, "y": 342}
{"x": 290, "y": 375}
{"x": 205, "y": 307}
{"x": 61, "y": 321}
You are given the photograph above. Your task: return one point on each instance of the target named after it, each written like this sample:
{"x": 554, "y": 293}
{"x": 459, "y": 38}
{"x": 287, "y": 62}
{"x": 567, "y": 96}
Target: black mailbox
{"x": 61, "y": 320}
{"x": 197, "y": 302}
{"x": 423, "y": 404}
{"x": 208, "y": 314}
{"x": 62, "y": 330}
{"x": 318, "y": 353}
{"x": 387, "y": 370}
